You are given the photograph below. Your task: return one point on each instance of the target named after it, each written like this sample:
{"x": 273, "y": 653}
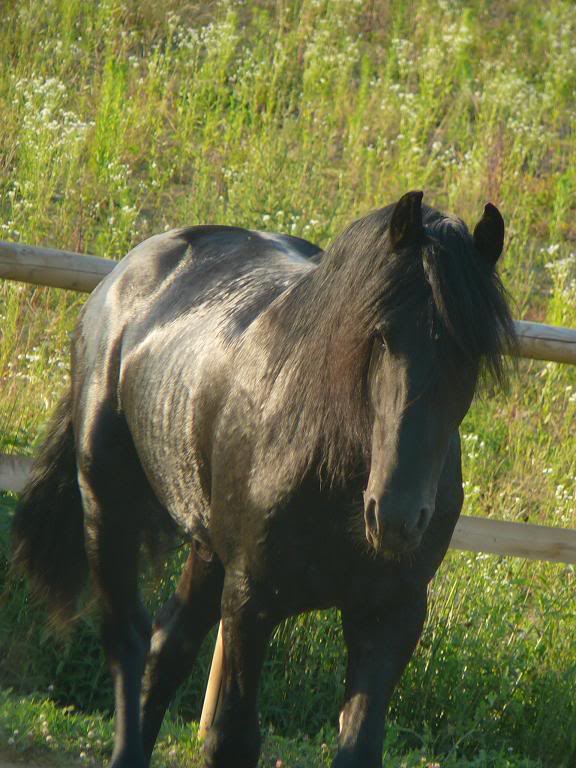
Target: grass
{"x": 123, "y": 118}
{"x": 32, "y": 727}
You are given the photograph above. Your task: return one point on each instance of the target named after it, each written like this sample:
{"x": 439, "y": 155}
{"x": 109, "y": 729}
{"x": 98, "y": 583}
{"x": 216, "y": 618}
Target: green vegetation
{"x": 65, "y": 737}
{"x": 123, "y": 118}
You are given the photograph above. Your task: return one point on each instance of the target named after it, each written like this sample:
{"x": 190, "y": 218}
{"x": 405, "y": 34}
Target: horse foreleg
{"x": 380, "y": 646}
{"x": 234, "y": 739}
{"x": 179, "y": 629}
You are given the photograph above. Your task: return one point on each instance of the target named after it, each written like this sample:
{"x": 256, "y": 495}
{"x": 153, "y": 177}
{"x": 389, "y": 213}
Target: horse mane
{"x": 319, "y": 333}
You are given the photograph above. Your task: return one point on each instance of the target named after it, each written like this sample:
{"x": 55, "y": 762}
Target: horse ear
{"x": 406, "y": 222}
{"x": 489, "y": 234}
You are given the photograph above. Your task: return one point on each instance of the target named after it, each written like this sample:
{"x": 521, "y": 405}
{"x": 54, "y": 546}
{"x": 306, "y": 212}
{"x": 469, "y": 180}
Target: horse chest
{"x": 305, "y": 558}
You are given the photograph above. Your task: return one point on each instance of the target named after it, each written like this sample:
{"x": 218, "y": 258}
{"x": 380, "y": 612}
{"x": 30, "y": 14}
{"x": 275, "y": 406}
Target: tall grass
{"x": 124, "y": 118}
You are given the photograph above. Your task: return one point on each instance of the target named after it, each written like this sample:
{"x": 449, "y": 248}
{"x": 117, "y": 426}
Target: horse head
{"x": 426, "y": 357}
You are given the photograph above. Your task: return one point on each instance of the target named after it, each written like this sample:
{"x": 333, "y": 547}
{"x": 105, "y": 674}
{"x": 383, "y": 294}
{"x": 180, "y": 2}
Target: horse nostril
{"x": 371, "y": 517}
{"x": 423, "y": 520}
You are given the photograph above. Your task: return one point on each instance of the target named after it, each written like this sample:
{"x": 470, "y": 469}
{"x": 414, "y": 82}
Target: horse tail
{"x": 48, "y": 525}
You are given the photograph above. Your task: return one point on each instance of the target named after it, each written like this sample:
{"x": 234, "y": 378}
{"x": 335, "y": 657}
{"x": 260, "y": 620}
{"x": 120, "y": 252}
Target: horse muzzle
{"x": 395, "y": 525}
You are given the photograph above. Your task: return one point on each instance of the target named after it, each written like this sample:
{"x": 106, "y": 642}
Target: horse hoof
{"x": 129, "y": 761}
{"x": 223, "y": 751}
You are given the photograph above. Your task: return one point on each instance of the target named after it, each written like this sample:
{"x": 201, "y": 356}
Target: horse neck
{"x": 311, "y": 371}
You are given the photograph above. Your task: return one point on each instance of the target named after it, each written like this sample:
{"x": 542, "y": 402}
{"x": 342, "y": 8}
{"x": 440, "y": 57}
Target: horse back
{"x": 171, "y": 275}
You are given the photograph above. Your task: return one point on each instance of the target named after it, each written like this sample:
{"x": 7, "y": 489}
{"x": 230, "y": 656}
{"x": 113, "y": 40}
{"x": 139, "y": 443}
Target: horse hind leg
{"x": 113, "y": 489}
{"x": 179, "y": 629}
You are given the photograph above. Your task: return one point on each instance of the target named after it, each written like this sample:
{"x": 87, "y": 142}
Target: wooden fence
{"x": 60, "y": 269}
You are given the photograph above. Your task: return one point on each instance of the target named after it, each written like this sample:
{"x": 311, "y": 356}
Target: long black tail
{"x": 48, "y": 531}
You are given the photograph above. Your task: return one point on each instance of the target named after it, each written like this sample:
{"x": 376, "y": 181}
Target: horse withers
{"x": 295, "y": 415}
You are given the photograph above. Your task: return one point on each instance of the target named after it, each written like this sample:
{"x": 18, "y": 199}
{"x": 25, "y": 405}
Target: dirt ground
{"x": 7, "y": 764}
{"x": 4, "y": 764}
{"x": 10, "y": 762}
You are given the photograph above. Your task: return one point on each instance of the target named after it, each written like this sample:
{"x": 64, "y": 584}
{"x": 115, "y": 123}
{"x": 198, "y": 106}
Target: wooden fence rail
{"x": 49, "y": 267}
{"x": 14, "y": 472}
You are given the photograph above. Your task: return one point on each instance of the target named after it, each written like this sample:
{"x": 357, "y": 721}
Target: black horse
{"x": 295, "y": 414}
